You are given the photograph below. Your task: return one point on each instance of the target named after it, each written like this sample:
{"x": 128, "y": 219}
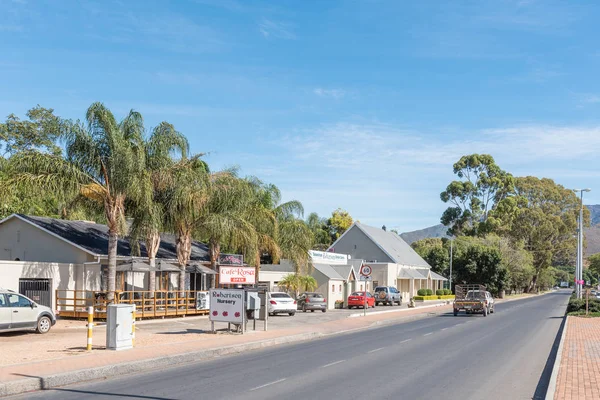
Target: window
{"x": 3, "y": 301}
{"x": 332, "y": 288}
{"x": 14, "y": 300}
{"x": 361, "y": 287}
{"x": 340, "y": 288}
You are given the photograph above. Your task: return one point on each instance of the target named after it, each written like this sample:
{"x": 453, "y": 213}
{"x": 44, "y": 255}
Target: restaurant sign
{"x": 325, "y": 257}
{"x": 237, "y": 275}
{"x": 227, "y": 305}
{"x": 231, "y": 259}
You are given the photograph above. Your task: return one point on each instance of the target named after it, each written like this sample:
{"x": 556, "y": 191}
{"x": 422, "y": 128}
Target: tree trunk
{"x": 152, "y": 245}
{"x": 152, "y": 277}
{"x": 184, "y": 250}
{"x": 215, "y": 250}
{"x": 182, "y": 281}
{"x": 112, "y": 264}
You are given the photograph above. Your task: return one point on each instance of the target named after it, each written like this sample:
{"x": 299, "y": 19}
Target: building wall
{"x": 272, "y": 277}
{"x": 19, "y": 239}
{"x": 324, "y": 286}
{"x": 68, "y": 277}
{"x": 358, "y": 245}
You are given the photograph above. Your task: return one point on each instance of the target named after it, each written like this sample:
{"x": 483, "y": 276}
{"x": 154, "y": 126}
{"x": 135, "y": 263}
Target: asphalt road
{"x": 502, "y": 356}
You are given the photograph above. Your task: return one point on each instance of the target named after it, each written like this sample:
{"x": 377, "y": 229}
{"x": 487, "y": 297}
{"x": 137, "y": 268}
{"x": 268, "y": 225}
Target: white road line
{"x": 407, "y": 340}
{"x": 267, "y": 384}
{"x": 427, "y": 334}
{"x": 374, "y": 350}
{"x": 333, "y": 363}
{"x": 444, "y": 329}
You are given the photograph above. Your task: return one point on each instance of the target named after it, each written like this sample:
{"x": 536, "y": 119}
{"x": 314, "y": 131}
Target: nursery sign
{"x": 227, "y": 305}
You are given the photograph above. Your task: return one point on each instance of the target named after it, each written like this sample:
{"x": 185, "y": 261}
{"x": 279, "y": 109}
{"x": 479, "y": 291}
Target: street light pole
{"x": 579, "y": 265}
{"x": 450, "y": 277}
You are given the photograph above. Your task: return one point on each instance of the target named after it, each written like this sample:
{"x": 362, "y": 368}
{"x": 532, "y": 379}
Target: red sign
{"x": 243, "y": 275}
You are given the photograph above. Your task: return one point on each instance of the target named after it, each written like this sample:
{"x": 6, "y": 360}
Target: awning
{"x": 409, "y": 273}
{"x": 197, "y": 268}
{"x": 135, "y": 266}
{"x": 164, "y": 266}
{"x": 437, "y": 277}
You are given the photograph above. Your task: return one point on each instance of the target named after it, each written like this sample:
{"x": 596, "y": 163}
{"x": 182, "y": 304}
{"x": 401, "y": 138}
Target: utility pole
{"x": 579, "y": 264}
{"x": 450, "y": 278}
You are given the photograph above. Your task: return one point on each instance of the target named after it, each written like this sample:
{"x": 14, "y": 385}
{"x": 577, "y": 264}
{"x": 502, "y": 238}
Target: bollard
{"x": 133, "y": 327}
{"x": 90, "y": 326}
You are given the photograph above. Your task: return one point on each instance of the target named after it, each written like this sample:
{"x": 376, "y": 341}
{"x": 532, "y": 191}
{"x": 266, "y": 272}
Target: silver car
{"x": 19, "y": 313}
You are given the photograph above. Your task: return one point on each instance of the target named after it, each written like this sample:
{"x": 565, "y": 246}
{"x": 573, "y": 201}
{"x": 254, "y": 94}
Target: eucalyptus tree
{"x": 163, "y": 149}
{"x": 103, "y": 163}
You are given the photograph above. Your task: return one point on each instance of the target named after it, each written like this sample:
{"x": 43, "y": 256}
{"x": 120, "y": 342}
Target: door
{"x": 23, "y": 316}
{"x": 5, "y": 313}
{"x": 37, "y": 290}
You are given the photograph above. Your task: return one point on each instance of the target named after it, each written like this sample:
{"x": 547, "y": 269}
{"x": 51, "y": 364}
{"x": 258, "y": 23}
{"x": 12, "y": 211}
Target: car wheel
{"x": 455, "y": 313}
{"x": 485, "y": 311}
{"x": 312, "y": 310}
{"x": 324, "y": 310}
{"x": 43, "y": 325}
{"x": 292, "y": 314}
{"x": 303, "y": 307}
{"x": 271, "y": 314}
{"x": 492, "y": 310}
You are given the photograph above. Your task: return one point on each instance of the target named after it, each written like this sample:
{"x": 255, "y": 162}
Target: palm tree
{"x": 317, "y": 226}
{"x": 308, "y": 283}
{"x": 149, "y": 211}
{"x": 291, "y": 282}
{"x": 103, "y": 163}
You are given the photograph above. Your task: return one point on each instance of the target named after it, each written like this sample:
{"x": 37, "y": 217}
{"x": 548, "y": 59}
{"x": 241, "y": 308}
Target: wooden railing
{"x": 74, "y": 303}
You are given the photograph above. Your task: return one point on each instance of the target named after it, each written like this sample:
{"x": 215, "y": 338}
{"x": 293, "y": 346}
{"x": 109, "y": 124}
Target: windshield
{"x": 280, "y": 296}
{"x": 358, "y": 294}
{"x": 475, "y": 296}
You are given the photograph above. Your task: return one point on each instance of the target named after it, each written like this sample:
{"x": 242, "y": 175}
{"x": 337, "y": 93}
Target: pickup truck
{"x": 473, "y": 299}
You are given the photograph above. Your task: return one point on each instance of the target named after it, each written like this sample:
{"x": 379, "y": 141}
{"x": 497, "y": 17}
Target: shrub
{"x": 439, "y": 292}
{"x": 429, "y": 292}
{"x": 447, "y": 292}
{"x": 579, "y": 305}
{"x": 422, "y": 292}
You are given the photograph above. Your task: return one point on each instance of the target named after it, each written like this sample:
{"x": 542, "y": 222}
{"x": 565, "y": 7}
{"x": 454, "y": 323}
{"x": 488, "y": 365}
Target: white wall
{"x": 272, "y": 277}
{"x": 62, "y": 276}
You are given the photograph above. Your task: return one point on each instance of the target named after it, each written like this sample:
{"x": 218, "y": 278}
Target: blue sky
{"x": 363, "y": 105}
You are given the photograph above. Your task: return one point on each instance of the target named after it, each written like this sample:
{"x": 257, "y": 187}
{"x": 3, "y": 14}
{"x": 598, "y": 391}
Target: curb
{"x": 356, "y": 315}
{"x": 551, "y": 392}
{"x": 69, "y": 378}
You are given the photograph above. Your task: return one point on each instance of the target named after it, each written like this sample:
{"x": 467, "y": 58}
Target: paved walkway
{"x": 579, "y": 373}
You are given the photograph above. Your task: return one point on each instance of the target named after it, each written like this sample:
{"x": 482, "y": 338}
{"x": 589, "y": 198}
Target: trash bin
{"x": 119, "y": 323}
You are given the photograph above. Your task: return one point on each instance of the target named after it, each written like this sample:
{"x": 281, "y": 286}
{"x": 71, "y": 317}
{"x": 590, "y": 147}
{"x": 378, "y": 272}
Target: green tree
{"x": 435, "y": 252}
{"x": 291, "y": 283}
{"x": 319, "y": 229}
{"x": 338, "y": 223}
{"x": 148, "y": 210}
{"x": 40, "y": 132}
{"x": 103, "y": 163}
{"x": 308, "y": 283}
{"x": 482, "y": 185}
{"x": 594, "y": 261}
{"x": 476, "y": 262}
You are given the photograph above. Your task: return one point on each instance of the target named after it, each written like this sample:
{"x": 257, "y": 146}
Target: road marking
{"x": 267, "y": 384}
{"x": 373, "y": 351}
{"x": 407, "y": 340}
{"x": 333, "y": 363}
{"x": 427, "y": 334}
{"x": 444, "y": 329}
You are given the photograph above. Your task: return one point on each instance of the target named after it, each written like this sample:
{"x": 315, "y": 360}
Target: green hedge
{"x": 576, "y": 305}
{"x": 422, "y": 292}
{"x": 421, "y": 298}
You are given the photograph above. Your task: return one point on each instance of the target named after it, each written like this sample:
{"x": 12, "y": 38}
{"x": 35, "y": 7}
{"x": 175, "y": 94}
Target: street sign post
{"x": 365, "y": 275}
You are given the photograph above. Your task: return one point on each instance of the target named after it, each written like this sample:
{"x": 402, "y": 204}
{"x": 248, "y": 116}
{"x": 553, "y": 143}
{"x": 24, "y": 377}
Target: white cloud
{"x": 333, "y": 93}
{"x": 274, "y": 29}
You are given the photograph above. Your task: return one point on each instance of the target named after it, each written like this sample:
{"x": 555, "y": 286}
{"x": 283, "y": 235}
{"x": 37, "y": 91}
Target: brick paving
{"x": 579, "y": 371}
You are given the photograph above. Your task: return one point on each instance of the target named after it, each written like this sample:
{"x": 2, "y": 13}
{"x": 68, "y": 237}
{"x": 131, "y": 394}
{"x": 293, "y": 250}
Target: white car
{"x": 281, "y": 303}
{"x": 19, "y": 313}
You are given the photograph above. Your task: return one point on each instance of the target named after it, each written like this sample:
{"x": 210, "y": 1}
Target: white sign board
{"x": 365, "y": 278}
{"x": 237, "y": 275}
{"x": 202, "y": 301}
{"x": 325, "y": 257}
{"x": 227, "y": 305}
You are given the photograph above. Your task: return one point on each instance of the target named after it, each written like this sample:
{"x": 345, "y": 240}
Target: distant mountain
{"x": 592, "y": 234}
{"x": 436, "y": 231}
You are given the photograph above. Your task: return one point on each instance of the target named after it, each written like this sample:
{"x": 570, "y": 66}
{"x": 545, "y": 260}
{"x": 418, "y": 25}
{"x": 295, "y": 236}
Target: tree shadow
{"x": 185, "y": 332}
{"x": 542, "y": 386}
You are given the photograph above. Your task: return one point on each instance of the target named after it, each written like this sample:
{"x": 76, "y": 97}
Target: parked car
{"x": 357, "y": 299}
{"x": 387, "y": 295}
{"x": 281, "y": 303}
{"x": 19, "y": 313}
{"x": 312, "y": 301}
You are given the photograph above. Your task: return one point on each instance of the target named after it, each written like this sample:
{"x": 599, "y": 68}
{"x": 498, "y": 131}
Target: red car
{"x": 357, "y": 299}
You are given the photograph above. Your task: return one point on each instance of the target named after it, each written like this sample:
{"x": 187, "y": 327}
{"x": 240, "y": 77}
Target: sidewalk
{"x": 579, "y": 371}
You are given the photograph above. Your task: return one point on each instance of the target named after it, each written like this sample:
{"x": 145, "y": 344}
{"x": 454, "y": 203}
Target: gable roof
{"x": 93, "y": 238}
{"x": 328, "y": 271}
{"x": 391, "y": 244}
{"x": 345, "y": 271}
{"x": 437, "y": 277}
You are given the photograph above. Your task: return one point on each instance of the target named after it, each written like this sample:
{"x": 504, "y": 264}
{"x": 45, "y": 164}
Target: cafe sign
{"x": 231, "y": 259}
{"x": 237, "y": 275}
{"x": 325, "y": 257}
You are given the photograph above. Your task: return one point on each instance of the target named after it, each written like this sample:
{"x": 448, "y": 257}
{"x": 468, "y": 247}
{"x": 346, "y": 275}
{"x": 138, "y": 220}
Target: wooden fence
{"x": 159, "y": 304}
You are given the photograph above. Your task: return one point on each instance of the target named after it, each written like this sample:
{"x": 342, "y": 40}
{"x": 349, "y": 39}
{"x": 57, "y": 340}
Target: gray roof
{"x": 277, "y": 268}
{"x": 329, "y": 271}
{"x": 407, "y": 273}
{"x": 393, "y": 245}
{"x": 437, "y": 277}
{"x": 424, "y": 271}
{"x": 93, "y": 238}
{"x": 343, "y": 270}
{"x": 356, "y": 263}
